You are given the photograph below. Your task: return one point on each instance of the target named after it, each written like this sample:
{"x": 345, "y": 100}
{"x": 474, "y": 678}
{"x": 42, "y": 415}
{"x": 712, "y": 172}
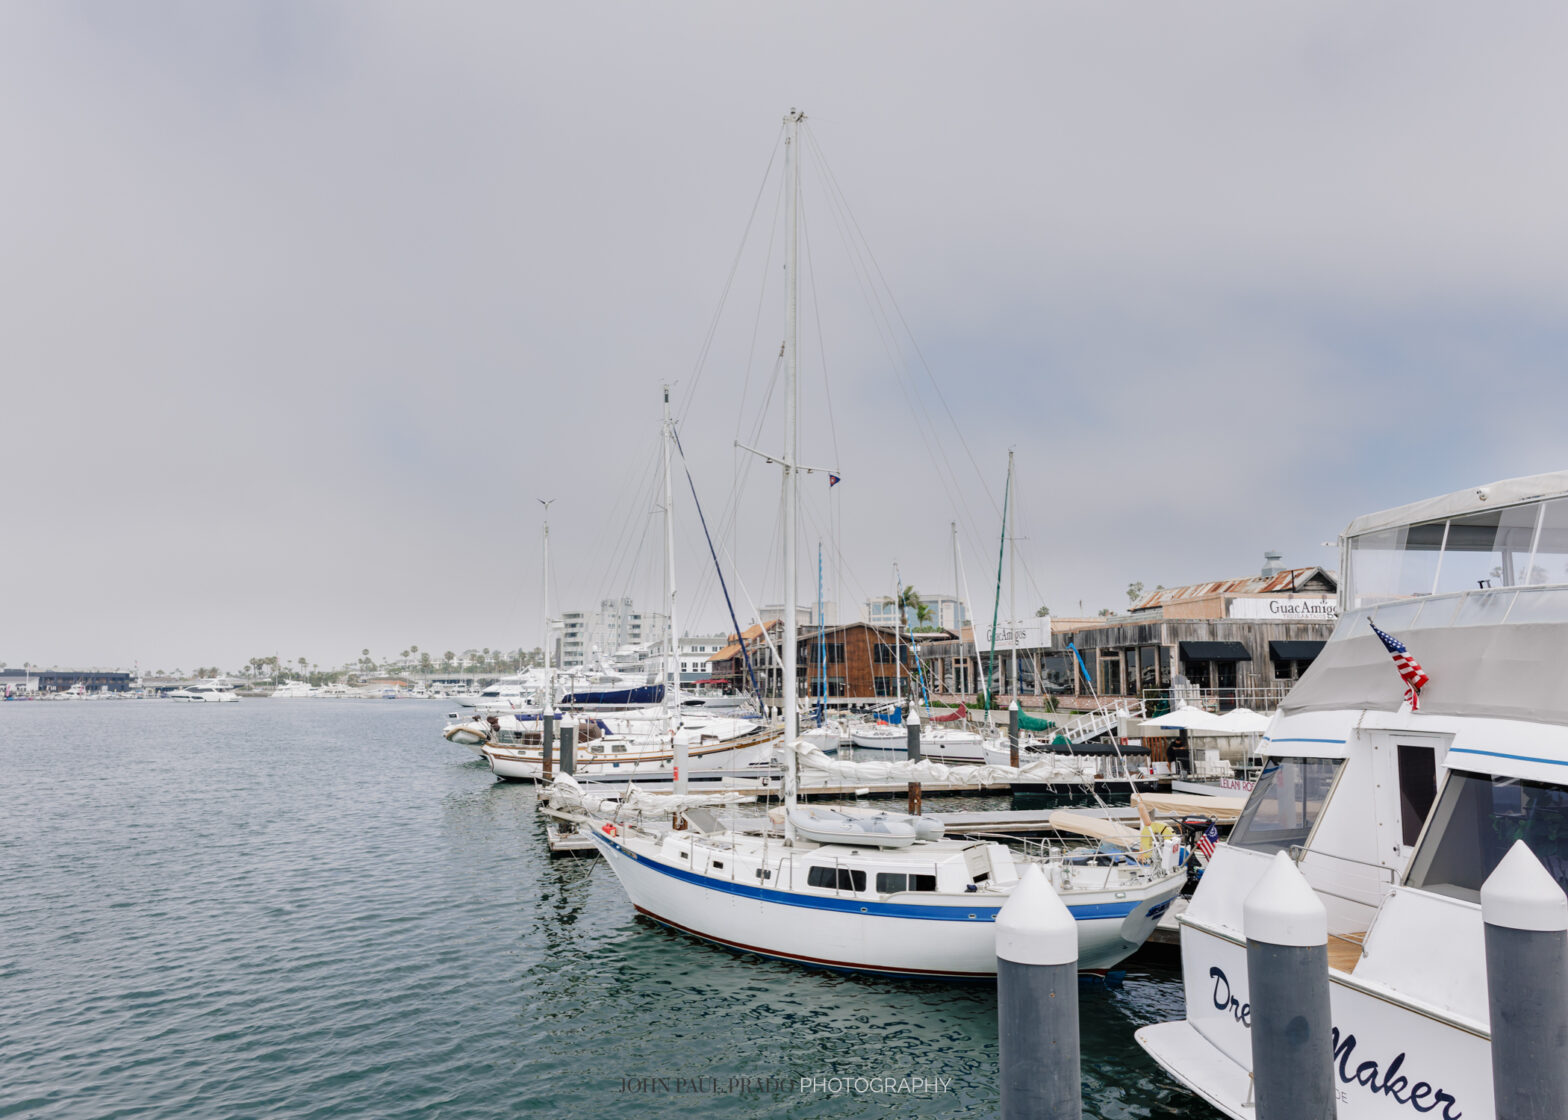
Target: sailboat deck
{"x": 1344, "y": 950}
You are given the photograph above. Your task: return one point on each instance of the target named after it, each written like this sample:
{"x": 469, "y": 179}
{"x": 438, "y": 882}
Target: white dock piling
{"x": 1525, "y": 915}
{"x": 1287, "y": 972}
{"x": 1037, "y": 1003}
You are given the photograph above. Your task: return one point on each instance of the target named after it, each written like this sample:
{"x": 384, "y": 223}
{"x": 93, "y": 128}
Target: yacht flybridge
{"x": 1398, "y": 806}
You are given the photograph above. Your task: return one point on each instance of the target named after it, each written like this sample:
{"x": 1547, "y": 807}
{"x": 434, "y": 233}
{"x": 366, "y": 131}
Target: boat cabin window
{"x": 1513, "y": 546}
{"x": 891, "y": 883}
{"x": 836, "y": 879}
{"x": 1477, "y": 819}
{"x": 1284, "y": 804}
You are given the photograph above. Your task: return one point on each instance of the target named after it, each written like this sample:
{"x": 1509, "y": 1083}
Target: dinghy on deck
{"x": 862, "y": 829}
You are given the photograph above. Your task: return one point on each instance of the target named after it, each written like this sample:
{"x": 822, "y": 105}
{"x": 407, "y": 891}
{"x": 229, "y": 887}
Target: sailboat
{"x": 631, "y": 746}
{"x": 842, "y": 901}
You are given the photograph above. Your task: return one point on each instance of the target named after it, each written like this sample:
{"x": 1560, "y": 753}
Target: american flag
{"x": 1410, "y": 670}
{"x": 1207, "y": 840}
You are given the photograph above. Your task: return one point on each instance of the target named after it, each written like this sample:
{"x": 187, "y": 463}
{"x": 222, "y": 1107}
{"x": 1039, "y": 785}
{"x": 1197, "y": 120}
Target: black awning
{"x": 1214, "y": 651}
{"x": 1294, "y": 651}
{"x": 1100, "y": 747}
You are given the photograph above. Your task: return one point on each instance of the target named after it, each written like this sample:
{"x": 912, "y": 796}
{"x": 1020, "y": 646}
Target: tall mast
{"x": 544, "y": 608}
{"x": 792, "y": 454}
{"x": 672, "y": 644}
{"x": 898, "y": 617}
{"x": 958, "y": 591}
{"x": 1012, "y": 575}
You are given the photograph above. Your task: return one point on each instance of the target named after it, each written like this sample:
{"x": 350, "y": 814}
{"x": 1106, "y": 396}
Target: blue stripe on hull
{"x": 1084, "y": 913}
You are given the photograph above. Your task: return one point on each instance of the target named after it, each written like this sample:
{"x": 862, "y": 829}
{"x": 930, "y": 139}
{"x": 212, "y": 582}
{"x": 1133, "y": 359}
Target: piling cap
{"x": 914, "y": 718}
{"x": 1013, "y": 707}
{"x": 1035, "y": 926}
{"x": 1283, "y": 909}
{"x": 1521, "y": 894}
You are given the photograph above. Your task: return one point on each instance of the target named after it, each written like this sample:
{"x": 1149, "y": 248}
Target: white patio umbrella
{"x": 1182, "y": 719}
{"x": 1244, "y": 721}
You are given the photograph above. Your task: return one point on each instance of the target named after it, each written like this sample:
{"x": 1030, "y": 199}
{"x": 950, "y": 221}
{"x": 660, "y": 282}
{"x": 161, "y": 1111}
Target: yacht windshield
{"x": 1477, "y": 819}
{"x": 1284, "y": 804}
{"x": 1513, "y": 546}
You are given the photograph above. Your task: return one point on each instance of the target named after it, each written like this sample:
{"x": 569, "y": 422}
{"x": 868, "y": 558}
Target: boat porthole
{"x": 971, "y": 917}
{"x": 863, "y": 910}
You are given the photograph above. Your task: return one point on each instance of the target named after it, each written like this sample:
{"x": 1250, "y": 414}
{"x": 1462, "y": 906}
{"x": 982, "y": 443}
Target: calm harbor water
{"x": 319, "y": 908}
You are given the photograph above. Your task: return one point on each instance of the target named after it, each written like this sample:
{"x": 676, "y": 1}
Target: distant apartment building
{"x": 697, "y": 652}
{"x": 945, "y": 612}
{"x": 585, "y": 635}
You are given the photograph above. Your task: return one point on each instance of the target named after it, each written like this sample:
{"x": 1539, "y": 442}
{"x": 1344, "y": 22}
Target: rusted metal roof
{"x": 1286, "y": 581}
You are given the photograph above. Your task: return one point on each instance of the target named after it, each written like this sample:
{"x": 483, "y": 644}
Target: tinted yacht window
{"x": 1284, "y": 804}
{"x": 1477, "y": 819}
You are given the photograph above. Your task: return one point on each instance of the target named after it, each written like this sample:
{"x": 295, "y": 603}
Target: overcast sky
{"x": 302, "y": 306}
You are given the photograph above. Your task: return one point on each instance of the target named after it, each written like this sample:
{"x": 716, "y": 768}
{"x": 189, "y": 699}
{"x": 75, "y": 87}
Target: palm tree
{"x": 909, "y": 600}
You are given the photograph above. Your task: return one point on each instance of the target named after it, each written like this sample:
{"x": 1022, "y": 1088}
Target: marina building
{"x": 1242, "y": 641}
{"x": 19, "y": 682}
{"x": 858, "y": 662}
{"x": 617, "y": 623}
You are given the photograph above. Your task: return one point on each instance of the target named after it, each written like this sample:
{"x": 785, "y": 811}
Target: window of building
{"x": 1058, "y": 672}
{"x": 888, "y": 883}
{"x": 836, "y": 879}
{"x": 1149, "y": 666}
{"x": 1284, "y": 804}
{"x": 1111, "y": 674}
{"x": 1477, "y": 820}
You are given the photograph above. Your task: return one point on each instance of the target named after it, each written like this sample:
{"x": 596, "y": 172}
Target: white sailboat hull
{"x": 526, "y": 765}
{"x": 945, "y": 936}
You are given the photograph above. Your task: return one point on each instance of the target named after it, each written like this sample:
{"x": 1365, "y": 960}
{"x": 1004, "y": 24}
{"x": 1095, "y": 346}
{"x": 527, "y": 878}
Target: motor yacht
{"x": 1397, "y": 802}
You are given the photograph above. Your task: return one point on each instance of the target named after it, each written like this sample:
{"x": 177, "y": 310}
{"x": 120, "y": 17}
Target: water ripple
{"x": 320, "y": 909}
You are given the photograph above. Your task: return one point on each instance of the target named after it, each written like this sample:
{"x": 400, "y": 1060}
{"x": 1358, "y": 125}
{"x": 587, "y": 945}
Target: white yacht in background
{"x": 214, "y": 690}
{"x": 294, "y": 690}
{"x": 1397, "y": 804}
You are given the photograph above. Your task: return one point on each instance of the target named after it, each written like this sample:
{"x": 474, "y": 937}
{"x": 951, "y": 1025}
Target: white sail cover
{"x": 566, "y": 792}
{"x": 1043, "y": 768}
